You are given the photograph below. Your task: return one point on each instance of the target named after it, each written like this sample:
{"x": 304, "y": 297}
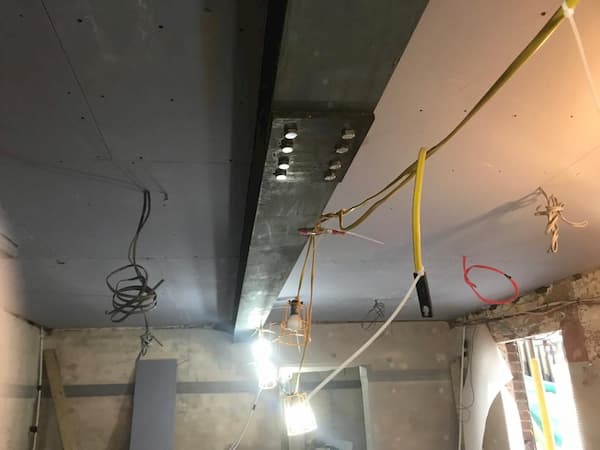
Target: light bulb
{"x": 295, "y": 322}
{"x": 267, "y": 374}
{"x": 281, "y": 175}
{"x": 291, "y": 132}
{"x": 299, "y": 416}
{"x": 287, "y": 146}
{"x": 283, "y": 162}
{"x": 261, "y": 349}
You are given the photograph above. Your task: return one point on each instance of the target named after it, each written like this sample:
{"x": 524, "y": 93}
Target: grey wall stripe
{"x": 228, "y": 387}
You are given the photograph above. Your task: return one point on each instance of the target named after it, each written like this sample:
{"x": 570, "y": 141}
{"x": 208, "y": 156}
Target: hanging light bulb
{"x": 294, "y": 321}
{"x": 299, "y": 416}
{"x": 262, "y": 348}
{"x": 267, "y": 374}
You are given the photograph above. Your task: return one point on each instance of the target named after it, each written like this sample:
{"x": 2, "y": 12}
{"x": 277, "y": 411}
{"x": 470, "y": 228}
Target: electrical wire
{"x": 416, "y": 212}
{"x": 369, "y": 341}
{"x": 404, "y": 177}
{"x": 473, "y": 286}
{"x": 238, "y": 441}
{"x": 553, "y": 210}
{"x": 547, "y": 308}
{"x": 378, "y": 310}
{"x": 570, "y": 15}
{"x": 132, "y": 293}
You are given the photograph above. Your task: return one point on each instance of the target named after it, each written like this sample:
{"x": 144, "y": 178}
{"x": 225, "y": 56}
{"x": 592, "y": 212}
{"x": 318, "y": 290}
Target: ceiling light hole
{"x": 291, "y": 131}
{"x": 280, "y": 175}
{"x": 348, "y": 134}
{"x": 340, "y": 149}
{"x": 287, "y": 146}
{"x": 335, "y": 164}
{"x": 330, "y": 176}
{"x": 283, "y": 163}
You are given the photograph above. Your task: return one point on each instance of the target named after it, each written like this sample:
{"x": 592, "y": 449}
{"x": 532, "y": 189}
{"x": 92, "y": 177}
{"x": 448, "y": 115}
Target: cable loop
{"x": 553, "y": 210}
{"x": 473, "y": 286}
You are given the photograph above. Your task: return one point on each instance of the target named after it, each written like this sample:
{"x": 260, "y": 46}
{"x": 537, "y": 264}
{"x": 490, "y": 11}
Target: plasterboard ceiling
{"x": 153, "y": 107}
{"x": 541, "y": 129}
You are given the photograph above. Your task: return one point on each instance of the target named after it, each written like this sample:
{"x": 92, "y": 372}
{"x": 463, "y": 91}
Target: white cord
{"x": 553, "y": 210}
{"x": 460, "y": 390}
{"x": 366, "y": 345}
{"x": 569, "y": 13}
{"x": 38, "y": 399}
{"x": 238, "y": 441}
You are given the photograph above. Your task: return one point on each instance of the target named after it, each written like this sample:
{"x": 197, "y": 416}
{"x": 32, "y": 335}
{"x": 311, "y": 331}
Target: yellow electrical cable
{"x": 538, "y": 381}
{"x": 416, "y": 211}
{"x": 396, "y": 184}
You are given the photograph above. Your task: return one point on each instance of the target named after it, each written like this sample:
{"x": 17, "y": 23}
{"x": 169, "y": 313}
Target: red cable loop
{"x": 472, "y": 285}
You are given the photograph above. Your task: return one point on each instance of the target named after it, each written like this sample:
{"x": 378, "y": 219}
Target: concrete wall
{"x": 19, "y": 352}
{"x": 410, "y": 396}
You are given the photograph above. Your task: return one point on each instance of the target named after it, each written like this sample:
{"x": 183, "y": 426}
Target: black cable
{"x": 374, "y": 315}
{"x": 133, "y": 294}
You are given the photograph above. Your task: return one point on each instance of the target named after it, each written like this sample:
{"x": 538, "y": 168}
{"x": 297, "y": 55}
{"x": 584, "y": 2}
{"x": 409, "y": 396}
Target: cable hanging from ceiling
{"x": 131, "y": 290}
{"x": 553, "y": 210}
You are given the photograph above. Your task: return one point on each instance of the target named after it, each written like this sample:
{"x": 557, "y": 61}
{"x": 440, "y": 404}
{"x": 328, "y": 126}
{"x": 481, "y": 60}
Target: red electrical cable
{"x": 473, "y": 286}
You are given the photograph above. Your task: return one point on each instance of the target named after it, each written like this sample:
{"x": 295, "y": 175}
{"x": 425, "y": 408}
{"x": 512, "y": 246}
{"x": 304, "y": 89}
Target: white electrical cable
{"x": 366, "y": 345}
{"x": 238, "y": 441}
{"x": 460, "y": 390}
{"x": 38, "y": 401}
{"x": 553, "y": 210}
{"x": 570, "y": 16}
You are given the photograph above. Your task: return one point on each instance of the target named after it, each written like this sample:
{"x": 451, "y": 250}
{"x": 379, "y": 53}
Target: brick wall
{"x": 517, "y": 388}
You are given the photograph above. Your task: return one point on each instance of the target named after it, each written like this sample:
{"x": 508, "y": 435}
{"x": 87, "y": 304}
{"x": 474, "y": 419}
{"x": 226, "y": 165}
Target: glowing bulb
{"x": 283, "y": 163}
{"x": 262, "y": 348}
{"x": 299, "y": 416}
{"x": 267, "y": 374}
{"x": 281, "y": 175}
{"x": 287, "y": 146}
{"x": 295, "y": 322}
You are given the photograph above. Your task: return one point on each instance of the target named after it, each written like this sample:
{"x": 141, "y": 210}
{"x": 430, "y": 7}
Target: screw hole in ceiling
{"x": 140, "y": 157}
{"x": 79, "y": 20}
{"x": 207, "y": 10}
{"x": 572, "y": 116}
{"x": 82, "y": 117}
{"x": 101, "y": 95}
{"x": 171, "y": 99}
{"x": 514, "y": 115}
{"x": 543, "y": 13}
{"x": 420, "y": 109}
{"x": 21, "y": 16}
{"x": 161, "y": 27}
{"x": 68, "y": 92}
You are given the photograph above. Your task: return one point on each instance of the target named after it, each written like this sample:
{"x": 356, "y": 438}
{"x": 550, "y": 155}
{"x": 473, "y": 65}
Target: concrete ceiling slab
{"x": 101, "y": 99}
{"x": 541, "y": 129}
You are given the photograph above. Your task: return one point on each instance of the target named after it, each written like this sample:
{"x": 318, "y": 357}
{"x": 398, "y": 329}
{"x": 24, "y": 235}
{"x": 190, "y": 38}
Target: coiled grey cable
{"x": 133, "y": 294}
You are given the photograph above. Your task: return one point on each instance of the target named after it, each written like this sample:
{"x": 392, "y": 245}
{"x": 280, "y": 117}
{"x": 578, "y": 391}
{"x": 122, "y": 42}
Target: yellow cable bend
{"x": 416, "y": 211}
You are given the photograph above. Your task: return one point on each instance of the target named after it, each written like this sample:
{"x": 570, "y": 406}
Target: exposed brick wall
{"x": 517, "y": 388}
